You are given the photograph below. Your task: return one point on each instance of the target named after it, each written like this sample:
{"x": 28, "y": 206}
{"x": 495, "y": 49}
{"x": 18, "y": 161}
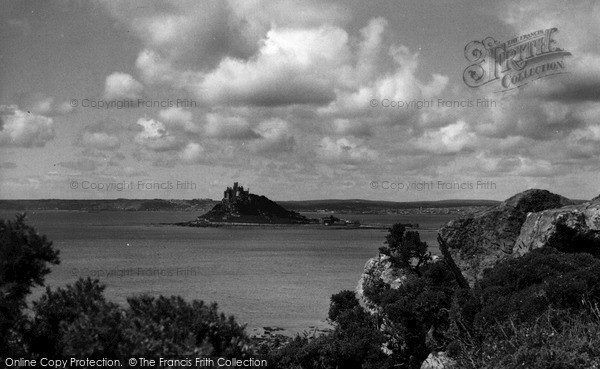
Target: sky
{"x": 293, "y": 99}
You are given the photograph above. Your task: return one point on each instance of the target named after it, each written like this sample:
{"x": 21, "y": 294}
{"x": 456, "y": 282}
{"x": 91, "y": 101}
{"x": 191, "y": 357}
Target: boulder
{"x": 379, "y": 270}
{"x": 482, "y": 240}
{"x": 574, "y": 228}
{"x": 438, "y": 360}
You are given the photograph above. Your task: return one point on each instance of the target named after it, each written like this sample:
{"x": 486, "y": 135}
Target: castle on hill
{"x": 237, "y": 192}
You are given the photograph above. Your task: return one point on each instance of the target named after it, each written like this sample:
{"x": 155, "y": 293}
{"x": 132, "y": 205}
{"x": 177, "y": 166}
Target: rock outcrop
{"x": 379, "y": 270}
{"x": 574, "y": 228}
{"x": 439, "y": 360}
{"x": 526, "y": 221}
{"x": 483, "y": 239}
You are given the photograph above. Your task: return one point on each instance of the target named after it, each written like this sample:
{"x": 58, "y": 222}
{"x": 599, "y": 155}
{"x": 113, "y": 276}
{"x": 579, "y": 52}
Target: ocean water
{"x": 281, "y": 277}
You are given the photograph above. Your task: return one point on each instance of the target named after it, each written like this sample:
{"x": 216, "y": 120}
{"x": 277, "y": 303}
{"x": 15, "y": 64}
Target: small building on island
{"x": 235, "y": 192}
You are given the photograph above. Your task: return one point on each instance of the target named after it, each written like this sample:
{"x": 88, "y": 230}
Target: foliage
{"x": 416, "y": 315}
{"x": 555, "y": 339}
{"x": 24, "y": 259}
{"x": 406, "y": 249}
{"x": 340, "y": 302}
{"x": 536, "y": 311}
{"x": 354, "y": 343}
{"x": 78, "y": 321}
{"x": 67, "y": 308}
{"x": 524, "y": 287}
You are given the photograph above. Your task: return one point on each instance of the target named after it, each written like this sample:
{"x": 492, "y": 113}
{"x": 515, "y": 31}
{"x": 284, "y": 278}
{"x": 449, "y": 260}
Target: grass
{"x": 557, "y": 339}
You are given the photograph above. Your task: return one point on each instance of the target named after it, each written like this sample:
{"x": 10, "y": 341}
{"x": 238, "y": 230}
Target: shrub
{"x": 416, "y": 315}
{"x": 24, "y": 259}
{"x": 556, "y": 339}
{"x": 71, "y": 308}
{"x": 536, "y": 311}
{"x": 340, "y": 302}
{"x": 78, "y": 321}
{"x": 524, "y": 287}
{"x": 406, "y": 249}
{"x": 355, "y": 343}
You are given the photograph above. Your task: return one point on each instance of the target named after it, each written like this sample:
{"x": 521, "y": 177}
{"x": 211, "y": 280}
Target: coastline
{"x": 282, "y": 225}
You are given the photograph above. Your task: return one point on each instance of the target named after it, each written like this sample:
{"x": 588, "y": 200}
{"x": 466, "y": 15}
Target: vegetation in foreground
{"x": 537, "y": 311}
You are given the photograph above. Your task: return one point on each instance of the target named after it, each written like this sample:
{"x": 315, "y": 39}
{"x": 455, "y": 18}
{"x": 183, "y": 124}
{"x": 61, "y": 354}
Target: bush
{"x": 416, "y": 315}
{"x": 355, "y": 343}
{"x": 340, "y": 302}
{"x": 524, "y": 287}
{"x": 406, "y": 249}
{"x": 78, "y": 321}
{"x": 556, "y": 339}
{"x": 536, "y": 311}
{"x": 24, "y": 259}
{"x": 70, "y": 308}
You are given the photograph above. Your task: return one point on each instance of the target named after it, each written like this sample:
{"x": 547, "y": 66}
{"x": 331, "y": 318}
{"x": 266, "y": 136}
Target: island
{"x": 239, "y": 206}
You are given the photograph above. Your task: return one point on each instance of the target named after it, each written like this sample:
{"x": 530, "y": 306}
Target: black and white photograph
{"x": 300, "y": 184}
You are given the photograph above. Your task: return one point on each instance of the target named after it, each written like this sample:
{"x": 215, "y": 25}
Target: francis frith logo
{"x": 515, "y": 62}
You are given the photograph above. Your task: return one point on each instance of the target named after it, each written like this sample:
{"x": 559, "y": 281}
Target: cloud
{"x": 178, "y": 118}
{"x": 534, "y": 168}
{"x": 369, "y": 49}
{"x": 100, "y": 140}
{"x": 229, "y": 127}
{"x": 293, "y": 66}
{"x": 122, "y": 86}
{"x": 102, "y": 135}
{"x": 401, "y": 84}
{"x": 354, "y": 127}
{"x": 453, "y": 138}
{"x": 42, "y": 104}
{"x": 8, "y": 165}
{"x": 275, "y": 136}
{"x": 192, "y": 152}
{"x": 582, "y": 82}
{"x": 155, "y": 137}
{"x": 200, "y": 35}
{"x": 24, "y": 129}
{"x": 345, "y": 151}
{"x": 82, "y": 165}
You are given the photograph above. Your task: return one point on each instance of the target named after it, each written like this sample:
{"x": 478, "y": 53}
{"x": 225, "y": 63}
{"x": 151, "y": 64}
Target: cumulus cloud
{"x": 282, "y": 76}
{"x": 293, "y": 66}
{"x": 275, "y": 136}
{"x": 354, "y": 127}
{"x": 122, "y": 86}
{"x": 178, "y": 118}
{"x": 22, "y": 129}
{"x": 228, "y": 127}
{"x": 345, "y": 151}
{"x": 82, "y": 165}
{"x": 100, "y": 140}
{"x": 401, "y": 84}
{"x": 7, "y": 165}
{"x": 453, "y": 138}
{"x": 155, "y": 137}
{"x": 43, "y": 104}
{"x": 192, "y": 152}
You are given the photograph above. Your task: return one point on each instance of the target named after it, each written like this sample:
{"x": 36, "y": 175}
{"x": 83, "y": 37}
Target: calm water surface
{"x": 264, "y": 276}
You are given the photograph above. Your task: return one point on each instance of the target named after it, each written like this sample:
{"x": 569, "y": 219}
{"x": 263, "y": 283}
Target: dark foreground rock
{"x": 480, "y": 241}
{"x": 574, "y": 228}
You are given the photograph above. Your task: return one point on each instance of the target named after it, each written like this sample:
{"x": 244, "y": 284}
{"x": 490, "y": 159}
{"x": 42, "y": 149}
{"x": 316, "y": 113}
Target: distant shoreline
{"x": 193, "y": 224}
{"x": 203, "y": 205}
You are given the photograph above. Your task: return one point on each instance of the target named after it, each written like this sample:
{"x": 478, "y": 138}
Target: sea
{"x": 279, "y": 277}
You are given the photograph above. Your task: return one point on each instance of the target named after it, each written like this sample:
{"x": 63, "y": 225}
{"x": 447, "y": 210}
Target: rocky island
{"x": 239, "y": 206}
